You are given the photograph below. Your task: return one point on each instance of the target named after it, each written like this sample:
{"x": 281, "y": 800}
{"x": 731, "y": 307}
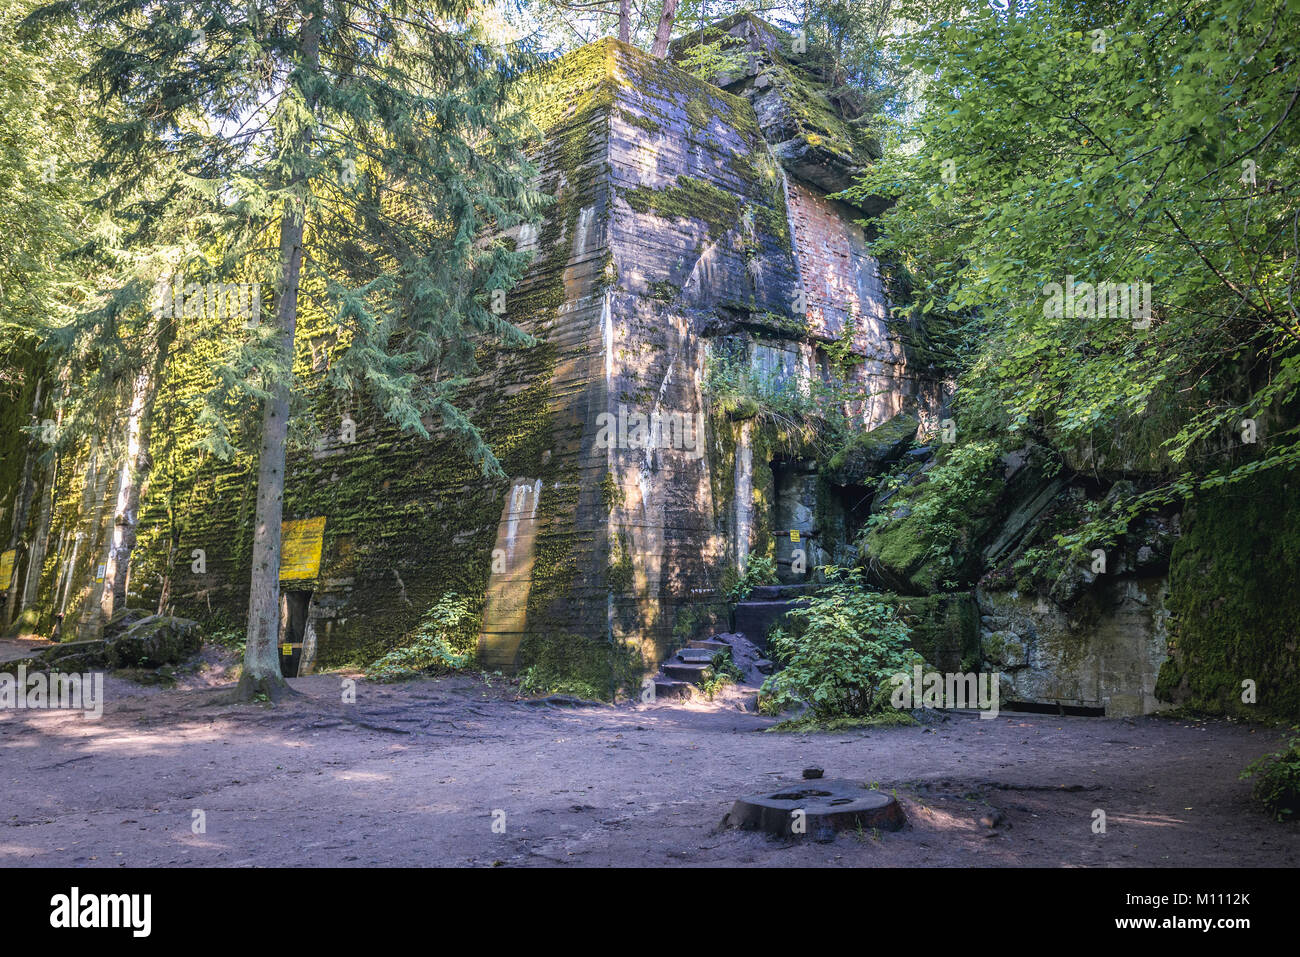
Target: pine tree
{"x": 284, "y": 131}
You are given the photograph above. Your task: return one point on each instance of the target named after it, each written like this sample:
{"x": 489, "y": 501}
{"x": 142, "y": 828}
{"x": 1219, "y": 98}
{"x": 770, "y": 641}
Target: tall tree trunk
{"x": 103, "y": 491}
{"x": 625, "y": 20}
{"x": 36, "y": 558}
{"x": 22, "y": 505}
{"x": 41, "y": 541}
{"x": 664, "y": 31}
{"x": 261, "y": 655}
{"x": 135, "y": 471}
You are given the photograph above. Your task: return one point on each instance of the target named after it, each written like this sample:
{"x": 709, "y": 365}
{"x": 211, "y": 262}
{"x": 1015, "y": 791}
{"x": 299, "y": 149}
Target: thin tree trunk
{"x": 261, "y": 658}
{"x": 22, "y": 505}
{"x": 136, "y": 464}
{"x": 625, "y": 20}
{"x": 664, "y": 31}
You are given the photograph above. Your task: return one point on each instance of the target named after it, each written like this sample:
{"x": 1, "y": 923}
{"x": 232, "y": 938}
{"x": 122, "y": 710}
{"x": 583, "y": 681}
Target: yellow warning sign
{"x": 6, "y": 567}
{"x": 794, "y": 535}
{"x": 286, "y": 650}
{"x": 301, "y": 542}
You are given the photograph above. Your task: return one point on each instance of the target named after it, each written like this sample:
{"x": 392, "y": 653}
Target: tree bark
{"x": 136, "y": 464}
{"x": 625, "y": 20}
{"x": 664, "y": 31}
{"x": 22, "y": 505}
{"x": 261, "y": 658}
{"x": 101, "y": 491}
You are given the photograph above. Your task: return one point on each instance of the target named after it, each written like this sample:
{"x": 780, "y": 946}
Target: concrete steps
{"x": 767, "y": 605}
{"x": 687, "y": 671}
{"x": 668, "y": 688}
{"x": 708, "y": 644}
{"x": 682, "y": 674}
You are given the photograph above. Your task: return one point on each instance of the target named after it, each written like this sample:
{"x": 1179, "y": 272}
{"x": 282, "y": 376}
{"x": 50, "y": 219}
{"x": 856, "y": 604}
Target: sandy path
{"x": 411, "y": 775}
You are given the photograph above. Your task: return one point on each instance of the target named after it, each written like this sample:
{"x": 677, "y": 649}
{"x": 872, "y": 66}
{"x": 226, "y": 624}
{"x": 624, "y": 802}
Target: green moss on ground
{"x": 807, "y": 724}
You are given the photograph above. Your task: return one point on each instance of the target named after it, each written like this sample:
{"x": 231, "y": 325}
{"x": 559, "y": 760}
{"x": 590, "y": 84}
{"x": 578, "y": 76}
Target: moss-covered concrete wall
{"x": 1235, "y": 603}
{"x": 673, "y": 232}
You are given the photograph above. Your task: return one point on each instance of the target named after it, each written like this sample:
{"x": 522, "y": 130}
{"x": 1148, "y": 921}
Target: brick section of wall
{"x": 841, "y": 281}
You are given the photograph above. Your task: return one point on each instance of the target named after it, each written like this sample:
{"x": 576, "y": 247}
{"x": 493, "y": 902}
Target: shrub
{"x": 443, "y": 641}
{"x": 759, "y": 570}
{"x": 847, "y": 644}
{"x": 1277, "y": 784}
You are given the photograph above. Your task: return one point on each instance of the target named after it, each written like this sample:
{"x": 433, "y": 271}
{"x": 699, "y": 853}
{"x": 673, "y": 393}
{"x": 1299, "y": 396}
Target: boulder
{"x": 67, "y": 656}
{"x": 123, "y": 619}
{"x": 868, "y": 454}
{"x": 155, "y": 641}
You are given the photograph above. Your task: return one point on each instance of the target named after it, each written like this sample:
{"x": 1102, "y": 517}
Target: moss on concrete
{"x": 1235, "y": 607}
{"x": 690, "y": 198}
{"x": 944, "y": 629}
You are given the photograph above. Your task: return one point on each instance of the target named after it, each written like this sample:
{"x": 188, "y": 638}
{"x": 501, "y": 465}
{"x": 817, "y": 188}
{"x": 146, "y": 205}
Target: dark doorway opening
{"x": 293, "y": 625}
{"x": 1037, "y": 707}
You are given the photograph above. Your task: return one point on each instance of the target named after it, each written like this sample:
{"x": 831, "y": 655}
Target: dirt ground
{"x": 419, "y": 773}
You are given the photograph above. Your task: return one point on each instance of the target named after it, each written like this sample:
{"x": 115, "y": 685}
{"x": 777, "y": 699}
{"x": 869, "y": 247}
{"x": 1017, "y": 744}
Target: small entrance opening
{"x": 794, "y": 499}
{"x": 1037, "y": 707}
{"x": 293, "y": 625}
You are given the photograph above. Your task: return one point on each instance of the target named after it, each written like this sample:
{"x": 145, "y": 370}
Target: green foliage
{"x": 46, "y": 129}
{"x": 1277, "y": 779}
{"x": 939, "y": 518}
{"x": 846, "y": 645}
{"x": 713, "y": 54}
{"x": 444, "y": 640}
{"x": 800, "y": 412}
{"x": 724, "y": 673}
{"x": 759, "y": 570}
{"x": 238, "y": 123}
{"x": 848, "y": 46}
{"x": 221, "y": 629}
{"x": 1042, "y": 152}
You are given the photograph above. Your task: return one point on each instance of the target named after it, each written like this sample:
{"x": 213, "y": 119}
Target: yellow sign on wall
{"x": 6, "y": 567}
{"x": 301, "y": 543}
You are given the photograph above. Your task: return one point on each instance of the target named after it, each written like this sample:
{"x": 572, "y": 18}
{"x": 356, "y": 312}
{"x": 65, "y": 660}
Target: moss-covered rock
{"x": 938, "y": 526}
{"x": 67, "y": 657}
{"x": 867, "y": 454}
{"x": 812, "y": 137}
{"x": 155, "y": 641}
